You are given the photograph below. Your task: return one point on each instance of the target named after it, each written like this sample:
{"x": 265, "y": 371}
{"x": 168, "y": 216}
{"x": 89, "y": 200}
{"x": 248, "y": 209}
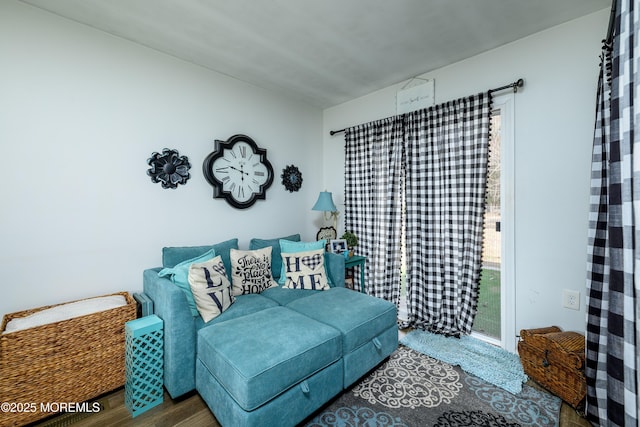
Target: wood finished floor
{"x": 191, "y": 411}
{"x": 185, "y": 412}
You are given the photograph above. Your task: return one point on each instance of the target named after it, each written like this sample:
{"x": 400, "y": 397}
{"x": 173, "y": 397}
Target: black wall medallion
{"x": 169, "y": 168}
{"x": 291, "y": 178}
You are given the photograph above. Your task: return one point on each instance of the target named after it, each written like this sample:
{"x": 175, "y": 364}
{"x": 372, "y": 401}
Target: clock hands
{"x": 239, "y": 170}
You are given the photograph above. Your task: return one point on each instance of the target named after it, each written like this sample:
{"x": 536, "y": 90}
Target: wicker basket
{"x": 555, "y": 360}
{"x": 69, "y": 361}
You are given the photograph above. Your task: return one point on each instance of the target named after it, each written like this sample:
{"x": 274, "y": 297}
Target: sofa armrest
{"x": 171, "y": 306}
{"x": 334, "y": 265}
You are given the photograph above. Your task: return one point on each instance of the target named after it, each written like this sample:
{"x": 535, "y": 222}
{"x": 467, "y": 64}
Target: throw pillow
{"x": 173, "y": 255}
{"x": 305, "y": 270}
{"x": 292, "y": 247}
{"x": 179, "y": 275}
{"x": 251, "y": 271}
{"x": 210, "y": 287}
{"x": 276, "y": 260}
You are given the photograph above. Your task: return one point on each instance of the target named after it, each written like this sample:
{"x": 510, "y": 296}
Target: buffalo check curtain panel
{"x": 613, "y": 258}
{"x": 373, "y": 206}
{"x": 422, "y": 175}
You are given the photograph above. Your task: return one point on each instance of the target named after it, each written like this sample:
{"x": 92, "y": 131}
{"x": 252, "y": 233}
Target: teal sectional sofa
{"x": 274, "y": 357}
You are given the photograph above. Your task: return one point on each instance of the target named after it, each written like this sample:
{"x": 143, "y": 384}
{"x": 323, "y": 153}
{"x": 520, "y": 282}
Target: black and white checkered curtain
{"x": 373, "y": 206}
{"x": 431, "y": 164}
{"x": 613, "y": 260}
{"x": 446, "y": 173}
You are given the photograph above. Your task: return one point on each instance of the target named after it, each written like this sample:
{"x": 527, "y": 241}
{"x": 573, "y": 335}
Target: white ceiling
{"x": 323, "y": 52}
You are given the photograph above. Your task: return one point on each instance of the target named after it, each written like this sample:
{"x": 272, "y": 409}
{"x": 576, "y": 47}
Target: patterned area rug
{"x": 413, "y": 389}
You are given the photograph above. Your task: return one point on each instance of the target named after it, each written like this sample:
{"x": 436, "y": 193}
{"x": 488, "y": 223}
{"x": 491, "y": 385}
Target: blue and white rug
{"x": 413, "y": 389}
{"x": 491, "y": 363}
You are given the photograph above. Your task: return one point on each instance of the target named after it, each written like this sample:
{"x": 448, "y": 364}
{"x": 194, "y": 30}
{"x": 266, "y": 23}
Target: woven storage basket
{"x": 68, "y": 361}
{"x": 555, "y": 360}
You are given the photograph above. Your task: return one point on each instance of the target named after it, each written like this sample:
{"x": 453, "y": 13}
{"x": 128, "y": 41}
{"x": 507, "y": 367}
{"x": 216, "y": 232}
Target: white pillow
{"x": 251, "y": 271}
{"x": 305, "y": 270}
{"x": 65, "y": 312}
{"x": 210, "y": 287}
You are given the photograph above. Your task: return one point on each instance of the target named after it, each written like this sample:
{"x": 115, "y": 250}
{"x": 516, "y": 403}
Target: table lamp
{"x": 326, "y": 205}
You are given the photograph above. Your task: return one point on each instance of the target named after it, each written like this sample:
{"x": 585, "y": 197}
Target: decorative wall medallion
{"x": 169, "y": 168}
{"x": 238, "y": 171}
{"x": 291, "y": 178}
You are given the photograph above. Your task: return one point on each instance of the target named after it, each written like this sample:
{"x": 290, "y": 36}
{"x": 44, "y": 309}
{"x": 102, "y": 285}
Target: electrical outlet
{"x": 571, "y": 299}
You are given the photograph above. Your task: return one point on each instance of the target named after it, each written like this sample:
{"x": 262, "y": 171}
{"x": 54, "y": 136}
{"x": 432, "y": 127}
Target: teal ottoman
{"x": 368, "y": 326}
{"x": 269, "y": 367}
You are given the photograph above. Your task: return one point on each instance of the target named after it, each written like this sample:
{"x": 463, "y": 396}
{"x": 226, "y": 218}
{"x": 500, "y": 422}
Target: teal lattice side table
{"x": 144, "y": 362}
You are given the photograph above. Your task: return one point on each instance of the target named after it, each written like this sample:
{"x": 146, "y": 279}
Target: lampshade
{"x": 325, "y": 203}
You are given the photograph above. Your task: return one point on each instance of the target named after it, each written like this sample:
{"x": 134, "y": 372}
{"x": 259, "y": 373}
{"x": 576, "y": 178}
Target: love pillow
{"x": 211, "y": 288}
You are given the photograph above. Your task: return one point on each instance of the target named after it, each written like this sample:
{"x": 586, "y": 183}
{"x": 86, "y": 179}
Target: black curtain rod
{"x": 515, "y": 85}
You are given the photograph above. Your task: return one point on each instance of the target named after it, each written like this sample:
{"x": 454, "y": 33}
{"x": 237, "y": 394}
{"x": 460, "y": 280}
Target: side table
{"x": 355, "y": 261}
{"x": 144, "y": 360}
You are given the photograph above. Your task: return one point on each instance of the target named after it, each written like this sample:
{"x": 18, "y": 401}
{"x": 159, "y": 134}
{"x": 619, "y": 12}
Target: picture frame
{"x": 327, "y": 233}
{"x": 338, "y": 246}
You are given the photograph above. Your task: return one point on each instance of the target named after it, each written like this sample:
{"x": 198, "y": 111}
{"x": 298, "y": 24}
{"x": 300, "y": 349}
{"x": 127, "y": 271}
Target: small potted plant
{"x": 352, "y": 241}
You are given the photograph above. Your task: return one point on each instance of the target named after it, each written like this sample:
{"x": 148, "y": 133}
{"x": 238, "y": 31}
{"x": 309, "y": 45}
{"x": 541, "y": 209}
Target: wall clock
{"x": 291, "y": 178}
{"x": 238, "y": 171}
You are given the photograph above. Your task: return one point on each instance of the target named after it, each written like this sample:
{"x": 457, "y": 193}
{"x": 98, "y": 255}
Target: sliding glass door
{"x": 495, "y": 320}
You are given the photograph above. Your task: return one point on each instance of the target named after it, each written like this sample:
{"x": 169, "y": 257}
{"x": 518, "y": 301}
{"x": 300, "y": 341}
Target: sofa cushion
{"x": 293, "y": 247}
{"x": 242, "y": 306}
{"x": 359, "y": 317}
{"x": 305, "y": 270}
{"x": 210, "y": 287}
{"x": 173, "y": 255}
{"x": 261, "y": 355}
{"x": 251, "y": 271}
{"x": 284, "y": 296}
{"x": 179, "y": 275}
{"x": 276, "y": 261}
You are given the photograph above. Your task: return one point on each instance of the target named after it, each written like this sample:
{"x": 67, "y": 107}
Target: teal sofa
{"x": 274, "y": 357}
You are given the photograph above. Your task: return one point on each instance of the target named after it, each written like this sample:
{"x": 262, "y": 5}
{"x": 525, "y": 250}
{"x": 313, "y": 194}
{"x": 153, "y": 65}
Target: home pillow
{"x": 276, "y": 260}
{"x": 251, "y": 271}
{"x": 289, "y": 247}
{"x": 210, "y": 287}
{"x": 305, "y": 270}
{"x": 179, "y": 275}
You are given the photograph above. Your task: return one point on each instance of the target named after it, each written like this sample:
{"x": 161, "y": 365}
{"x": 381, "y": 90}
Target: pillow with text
{"x": 251, "y": 271}
{"x": 305, "y": 270}
{"x": 210, "y": 287}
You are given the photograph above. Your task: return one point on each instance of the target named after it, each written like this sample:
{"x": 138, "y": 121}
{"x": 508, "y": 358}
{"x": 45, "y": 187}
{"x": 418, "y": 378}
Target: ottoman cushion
{"x": 359, "y": 317}
{"x": 259, "y": 356}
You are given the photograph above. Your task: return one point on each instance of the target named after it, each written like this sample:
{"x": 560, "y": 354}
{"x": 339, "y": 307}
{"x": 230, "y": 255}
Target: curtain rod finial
{"x": 518, "y": 84}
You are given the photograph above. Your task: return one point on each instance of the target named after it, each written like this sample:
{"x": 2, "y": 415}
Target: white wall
{"x": 554, "y": 118}
{"x": 80, "y": 113}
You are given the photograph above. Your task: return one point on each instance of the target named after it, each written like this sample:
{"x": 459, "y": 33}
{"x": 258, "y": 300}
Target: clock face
{"x": 238, "y": 171}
